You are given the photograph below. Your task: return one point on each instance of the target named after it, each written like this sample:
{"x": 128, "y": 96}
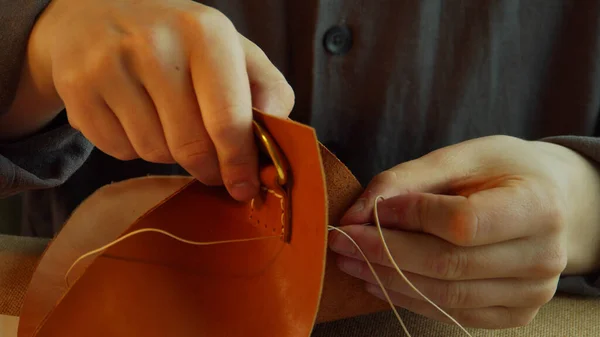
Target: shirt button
{"x": 338, "y": 40}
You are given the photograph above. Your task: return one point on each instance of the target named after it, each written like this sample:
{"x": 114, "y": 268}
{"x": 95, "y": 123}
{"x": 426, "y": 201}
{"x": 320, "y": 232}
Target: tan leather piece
{"x": 343, "y": 296}
{"x": 98, "y": 220}
{"x": 252, "y": 289}
{"x": 152, "y": 285}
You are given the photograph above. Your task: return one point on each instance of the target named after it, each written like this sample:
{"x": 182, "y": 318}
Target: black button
{"x": 338, "y": 40}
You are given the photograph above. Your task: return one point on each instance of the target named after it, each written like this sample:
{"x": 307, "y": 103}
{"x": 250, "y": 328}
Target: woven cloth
{"x": 563, "y": 316}
{"x": 18, "y": 259}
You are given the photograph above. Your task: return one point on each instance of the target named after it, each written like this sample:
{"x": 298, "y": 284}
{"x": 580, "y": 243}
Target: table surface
{"x": 563, "y": 316}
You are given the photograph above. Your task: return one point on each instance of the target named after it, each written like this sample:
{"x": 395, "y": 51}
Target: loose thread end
{"x": 398, "y": 270}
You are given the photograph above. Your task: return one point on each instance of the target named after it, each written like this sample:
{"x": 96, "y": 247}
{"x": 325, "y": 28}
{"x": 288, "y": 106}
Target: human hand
{"x": 165, "y": 81}
{"x": 483, "y": 228}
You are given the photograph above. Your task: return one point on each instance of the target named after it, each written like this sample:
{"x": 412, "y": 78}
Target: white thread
{"x": 160, "y": 231}
{"x": 377, "y": 223}
{"x": 282, "y": 204}
{"x": 376, "y": 278}
{"x": 391, "y": 258}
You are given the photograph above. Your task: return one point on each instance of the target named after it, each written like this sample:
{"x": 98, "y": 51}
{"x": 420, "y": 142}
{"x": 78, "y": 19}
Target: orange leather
{"x": 152, "y": 285}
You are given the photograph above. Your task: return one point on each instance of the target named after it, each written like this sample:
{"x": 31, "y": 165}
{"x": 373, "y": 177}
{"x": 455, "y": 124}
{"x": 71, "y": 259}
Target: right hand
{"x": 165, "y": 81}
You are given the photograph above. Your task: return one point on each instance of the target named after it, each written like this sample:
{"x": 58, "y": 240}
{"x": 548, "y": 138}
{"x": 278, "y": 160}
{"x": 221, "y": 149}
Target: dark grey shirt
{"x": 381, "y": 81}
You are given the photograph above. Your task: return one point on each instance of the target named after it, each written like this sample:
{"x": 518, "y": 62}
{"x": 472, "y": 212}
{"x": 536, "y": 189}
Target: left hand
{"x": 483, "y": 228}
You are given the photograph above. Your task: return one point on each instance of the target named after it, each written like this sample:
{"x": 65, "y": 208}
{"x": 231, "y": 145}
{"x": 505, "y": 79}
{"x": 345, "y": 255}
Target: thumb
{"x": 439, "y": 172}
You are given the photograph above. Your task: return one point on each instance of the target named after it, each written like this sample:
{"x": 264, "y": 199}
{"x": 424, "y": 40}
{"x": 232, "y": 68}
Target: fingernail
{"x": 341, "y": 245}
{"x": 350, "y": 266}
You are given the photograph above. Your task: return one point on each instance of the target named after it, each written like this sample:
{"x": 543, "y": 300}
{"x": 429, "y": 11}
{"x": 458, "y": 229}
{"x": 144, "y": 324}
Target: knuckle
{"x": 283, "y": 91}
{"x": 141, "y": 43}
{"x": 555, "y": 213}
{"x": 520, "y": 318}
{"x": 549, "y": 204}
{"x": 422, "y": 205}
{"x": 105, "y": 59}
{"x": 397, "y": 176}
{"x": 464, "y": 225}
{"x": 544, "y": 295}
{"x": 385, "y": 178}
{"x": 443, "y": 157}
{"x": 387, "y": 278}
{"x": 377, "y": 253}
{"x": 157, "y": 155}
{"x": 94, "y": 68}
{"x": 152, "y": 149}
{"x": 471, "y": 318}
{"x": 194, "y": 153}
{"x": 238, "y": 163}
{"x": 448, "y": 295}
{"x": 551, "y": 261}
{"x": 228, "y": 124}
{"x": 112, "y": 142}
{"x": 68, "y": 83}
{"x": 205, "y": 19}
{"x": 449, "y": 263}
{"x": 121, "y": 154}
{"x": 210, "y": 178}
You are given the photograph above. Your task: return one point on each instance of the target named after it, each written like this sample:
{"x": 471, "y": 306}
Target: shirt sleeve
{"x": 44, "y": 160}
{"x": 586, "y": 285}
{"x": 16, "y": 22}
{"x": 51, "y": 156}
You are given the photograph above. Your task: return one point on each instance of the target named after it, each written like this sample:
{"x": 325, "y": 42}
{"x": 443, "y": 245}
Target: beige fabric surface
{"x": 561, "y": 317}
{"x": 564, "y": 316}
{"x": 18, "y": 259}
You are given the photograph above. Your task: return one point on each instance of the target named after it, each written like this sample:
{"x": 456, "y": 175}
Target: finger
{"x": 271, "y": 92}
{"x": 223, "y": 91}
{"x": 484, "y": 318}
{"x": 132, "y": 105}
{"x": 486, "y": 217}
{"x": 462, "y": 167}
{"x": 430, "y": 256}
{"x": 401, "y": 179}
{"x": 92, "y": 116}
{"x": 160, "y": 62}
{"x": 513, "y": 292}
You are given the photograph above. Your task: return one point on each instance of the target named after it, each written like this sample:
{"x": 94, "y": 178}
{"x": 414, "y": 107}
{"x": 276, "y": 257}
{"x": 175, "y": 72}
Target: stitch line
{"x": 282, "y": 205}
{"x": 329, "y": 228}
